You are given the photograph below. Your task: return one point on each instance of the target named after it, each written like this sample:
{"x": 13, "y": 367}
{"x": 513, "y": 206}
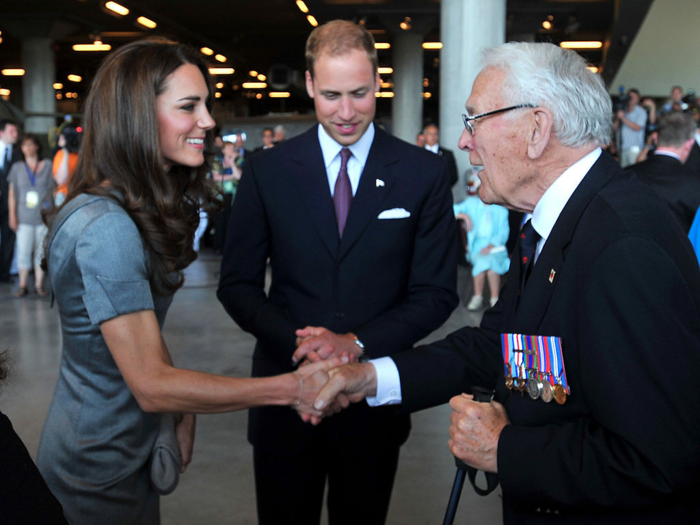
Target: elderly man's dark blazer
{"x": 693, "y": 161}
{"x": 389, "y": 281}
{"x": 675, "y": 183}
{"x": 618, "y": 281}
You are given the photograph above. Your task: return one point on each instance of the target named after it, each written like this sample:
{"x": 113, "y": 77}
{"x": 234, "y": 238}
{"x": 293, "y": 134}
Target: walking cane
{"x": 482, "y": 395}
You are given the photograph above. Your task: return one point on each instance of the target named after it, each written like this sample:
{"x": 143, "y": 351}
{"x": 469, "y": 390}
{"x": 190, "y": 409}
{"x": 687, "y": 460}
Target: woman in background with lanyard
{"x": 31, "y": 191}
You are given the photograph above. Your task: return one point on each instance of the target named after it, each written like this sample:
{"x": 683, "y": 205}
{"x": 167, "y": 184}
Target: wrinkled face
{"x": 499, "y": 144}
{"x": 10, "y": 134}
{"x": 431, "y": 135}
{"x": 279, "y": 135}
{"x": 183, "y": 117}
{"x": 268, "y": 137}
{"x": 343, "y": 90}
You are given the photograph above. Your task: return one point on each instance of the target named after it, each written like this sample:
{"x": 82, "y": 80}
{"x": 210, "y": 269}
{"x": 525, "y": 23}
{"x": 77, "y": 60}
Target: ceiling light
{"x": 427, "y": 94}
{"x": 593, "y": 69}
{"x": 116, "y": 8}
{"x": 302, "y": 6}
{"x": 382, "y": 45}
{"x": 386, "y": 85}
{"x": 4, "y": 92}
{"x": 262, "y": 78}
{"x": 312, "y": 20}
{"x": 92, "y": 47}
{"x": 219, "y": 85}
{"x": 58, "y": 85}
{"x": 384, "y": 94}
{"x": 206, "y": 51}
{"x": 220, "y": 58}
{"x": 59, "y": 96}
{"x": 12, "y": 72}
{"x": 217, "y": 95}
{"x": 145, "y": 22}
{"x": 432, "y": 45}
{"x": 253, "y": 73}
{"x": 258, "y": 96}
{"x": 279, "y": 94}
{"x": 254, "y": 85}
{"x": 75, "y": 78}
{"x": 406, "y": 24}
{"x": 571, "y": 44}
{"x": 385, "y": 70}
{"x": 221, "y": 71}
{"x": 547, "y": 24}
{"x": 426, "y": 82}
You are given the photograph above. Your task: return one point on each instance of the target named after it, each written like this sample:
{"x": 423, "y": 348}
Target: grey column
{"x": 37, "y": 84}
{"x": 407, "y": 105}
{"x": 466, "y": 28}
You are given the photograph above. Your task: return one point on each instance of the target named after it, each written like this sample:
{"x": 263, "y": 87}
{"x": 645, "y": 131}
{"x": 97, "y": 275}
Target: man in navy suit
{"x": 9, "y": 154}
{"x": 592, "y": 352}
{"x": 432, "y": 143}
{"x": 359, "y": 231}
{"x": 666, "y": 170}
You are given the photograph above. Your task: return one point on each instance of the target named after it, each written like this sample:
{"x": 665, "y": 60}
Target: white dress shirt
{"x": 544, "y": 216}
{"x": 356, "y": 163}
{"x": 434, "y": 148}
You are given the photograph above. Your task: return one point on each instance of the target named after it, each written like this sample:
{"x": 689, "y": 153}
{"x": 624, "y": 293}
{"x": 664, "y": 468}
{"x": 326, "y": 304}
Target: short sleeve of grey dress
{"x": 96, "y": 442}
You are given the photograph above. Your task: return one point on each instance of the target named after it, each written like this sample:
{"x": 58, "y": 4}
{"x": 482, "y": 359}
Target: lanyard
{"x": 31, "y": 175}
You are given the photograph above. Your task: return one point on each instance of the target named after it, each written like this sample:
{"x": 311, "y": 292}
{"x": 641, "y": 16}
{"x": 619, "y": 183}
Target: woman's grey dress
{"x": 96, "y": 442}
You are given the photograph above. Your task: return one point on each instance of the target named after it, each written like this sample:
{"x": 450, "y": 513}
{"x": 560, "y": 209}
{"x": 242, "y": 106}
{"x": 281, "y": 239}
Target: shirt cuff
{"x": 388, "y": 383}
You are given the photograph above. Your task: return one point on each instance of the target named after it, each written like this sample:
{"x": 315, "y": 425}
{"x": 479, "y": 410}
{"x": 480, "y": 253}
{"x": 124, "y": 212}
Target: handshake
{"x": 330, "y": 378}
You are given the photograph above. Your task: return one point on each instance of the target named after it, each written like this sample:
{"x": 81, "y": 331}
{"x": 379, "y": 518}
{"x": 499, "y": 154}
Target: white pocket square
{"x": 394, "y": 213}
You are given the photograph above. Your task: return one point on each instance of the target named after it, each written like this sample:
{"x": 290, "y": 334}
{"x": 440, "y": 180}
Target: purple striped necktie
{"x": 342, "y": 196}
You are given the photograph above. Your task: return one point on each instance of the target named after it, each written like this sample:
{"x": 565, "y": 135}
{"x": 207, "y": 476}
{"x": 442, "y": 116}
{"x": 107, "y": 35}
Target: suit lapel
{"x": 375, "y": 184}
{"x": 545, "y": 275}
{"x": 309, "y": 173}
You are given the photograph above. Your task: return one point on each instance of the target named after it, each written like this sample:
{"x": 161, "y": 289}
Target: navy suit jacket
{"x": 389, "y": 281}
{"x": 675, "y": 183}
{"x": 618, "y": 281}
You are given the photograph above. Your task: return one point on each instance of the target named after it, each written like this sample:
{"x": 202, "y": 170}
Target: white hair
{"x": 557, "y": 79}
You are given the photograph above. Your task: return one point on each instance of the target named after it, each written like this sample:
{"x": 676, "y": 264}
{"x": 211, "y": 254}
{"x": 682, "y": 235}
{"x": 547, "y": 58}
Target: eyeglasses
{"x": 467, "y": 118}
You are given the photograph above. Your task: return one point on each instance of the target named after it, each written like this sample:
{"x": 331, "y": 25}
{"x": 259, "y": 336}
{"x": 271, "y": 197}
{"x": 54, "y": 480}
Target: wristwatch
{"x": 363, "y": 357}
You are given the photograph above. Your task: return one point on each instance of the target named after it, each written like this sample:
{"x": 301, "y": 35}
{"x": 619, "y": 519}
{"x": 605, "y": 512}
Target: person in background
{"x": 665, "y": 171}
{"x": 9, "y": 154}
{"x": 280, "y": 133}
{"x": 487, "y": 233}
{"x": 117, "y": 249}
{"x": 432, "y": 138}
{"x": 64, "y": 161}
{"x": 630, "y": 124}
{"x": 226, "y": 176}
{"x": 420, "y": 140}
{"x": 30, "y": 192}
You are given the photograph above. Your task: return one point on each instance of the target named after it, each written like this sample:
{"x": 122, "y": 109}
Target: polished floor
{"x": 218, "y": 486}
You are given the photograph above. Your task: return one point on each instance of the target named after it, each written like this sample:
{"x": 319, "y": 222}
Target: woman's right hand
{"x": 312, "y": 378}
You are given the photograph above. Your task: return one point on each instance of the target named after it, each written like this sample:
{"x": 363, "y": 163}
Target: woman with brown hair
{"x": 116, "y": 251}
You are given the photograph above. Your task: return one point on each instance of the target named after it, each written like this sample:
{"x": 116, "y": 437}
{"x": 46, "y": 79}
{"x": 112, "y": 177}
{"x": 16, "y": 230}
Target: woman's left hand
{"x": 184, "y": 433}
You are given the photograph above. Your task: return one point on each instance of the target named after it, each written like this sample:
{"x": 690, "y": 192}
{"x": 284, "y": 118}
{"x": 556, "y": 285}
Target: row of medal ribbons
{"x": 535, "y": 364}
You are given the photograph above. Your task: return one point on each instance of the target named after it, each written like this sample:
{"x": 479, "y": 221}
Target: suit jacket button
{"x": 340, "y": 315}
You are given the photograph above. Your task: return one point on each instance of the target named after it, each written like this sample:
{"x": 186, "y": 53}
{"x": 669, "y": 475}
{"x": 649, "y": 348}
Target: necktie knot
{"x": 345, "y": 154}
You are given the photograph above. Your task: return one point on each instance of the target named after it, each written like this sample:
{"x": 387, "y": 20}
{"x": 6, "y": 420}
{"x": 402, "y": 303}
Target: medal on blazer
{"x": 535, "y": 363}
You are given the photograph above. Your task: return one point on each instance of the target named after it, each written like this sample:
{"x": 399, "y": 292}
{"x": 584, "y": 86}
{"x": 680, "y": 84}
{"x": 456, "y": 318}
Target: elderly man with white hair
{"x": 594, "y": 345}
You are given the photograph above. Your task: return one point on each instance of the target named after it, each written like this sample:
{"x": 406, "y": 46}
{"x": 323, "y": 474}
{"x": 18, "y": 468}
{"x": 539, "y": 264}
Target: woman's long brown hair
{"x": 120, "y": 150}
